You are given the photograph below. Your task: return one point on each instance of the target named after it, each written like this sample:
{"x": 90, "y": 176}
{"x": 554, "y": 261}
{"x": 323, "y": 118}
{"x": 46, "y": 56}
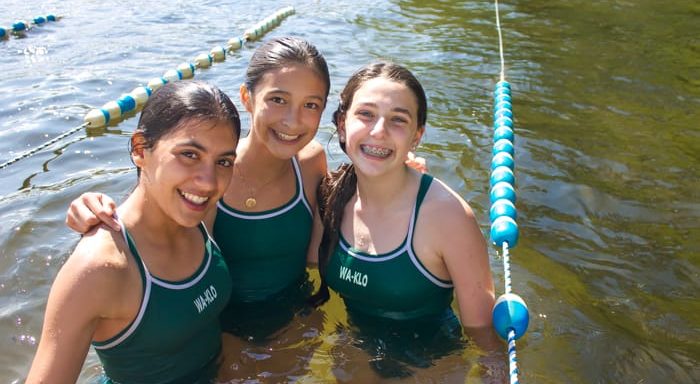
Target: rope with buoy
{"x": 23, "y": 25}
{"x": 134, "y": 101}
{"x": 510, "y": 313}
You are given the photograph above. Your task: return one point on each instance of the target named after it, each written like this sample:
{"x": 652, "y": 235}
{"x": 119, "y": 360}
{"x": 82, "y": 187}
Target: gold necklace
{"x": 251, "y": 201}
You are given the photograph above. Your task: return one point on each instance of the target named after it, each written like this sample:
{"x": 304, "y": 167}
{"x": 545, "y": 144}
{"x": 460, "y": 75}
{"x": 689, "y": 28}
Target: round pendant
{"x": 250, "y": 202}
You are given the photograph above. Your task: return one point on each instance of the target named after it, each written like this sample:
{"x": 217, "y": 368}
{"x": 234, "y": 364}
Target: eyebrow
{"x": 395, "y": 109}
{"x": 194, "y": 143}
{"x": 277, "y": 90}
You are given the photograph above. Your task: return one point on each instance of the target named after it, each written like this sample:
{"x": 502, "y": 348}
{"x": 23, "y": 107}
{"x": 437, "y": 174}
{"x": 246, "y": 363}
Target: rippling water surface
{"x": 606, "y": 99}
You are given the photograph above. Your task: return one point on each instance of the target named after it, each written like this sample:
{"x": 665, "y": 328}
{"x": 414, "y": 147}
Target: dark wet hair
{"x": 338, "y": 187}
{"x": 281, "y": 52}
{"x": 176, "y": 102}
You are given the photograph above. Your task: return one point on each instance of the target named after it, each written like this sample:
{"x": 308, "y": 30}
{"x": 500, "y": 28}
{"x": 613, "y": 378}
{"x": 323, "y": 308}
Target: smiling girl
{"x": 263, "y": 223}
{"x": 148, "y": 299}
{"x": 398, "y": 244}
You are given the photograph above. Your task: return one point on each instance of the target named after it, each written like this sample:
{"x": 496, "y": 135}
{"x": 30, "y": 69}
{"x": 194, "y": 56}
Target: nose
{"x": 205, "y": 180}
{"x": 292, "y": 119}
{"x": 379, "y": 127}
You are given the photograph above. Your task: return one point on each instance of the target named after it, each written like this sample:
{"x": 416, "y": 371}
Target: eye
{"x": 365, "y": 113}
{"x": 312, "y": 106}
{"x": 277, "y": 100}
{"x": 189, "y": 154}
{"x": 226, "y": 163}
{"x": 400, "y": 120}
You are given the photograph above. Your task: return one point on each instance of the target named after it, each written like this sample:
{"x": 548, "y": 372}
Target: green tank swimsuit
{"x": 398, "y": 312}
{"x": 176, "y": 337}
{"x": 393, "y": 285}
{"x": 265, "y": 251}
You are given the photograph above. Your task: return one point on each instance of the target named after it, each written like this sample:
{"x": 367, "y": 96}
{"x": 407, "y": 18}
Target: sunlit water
{"x": 606, "y": 98}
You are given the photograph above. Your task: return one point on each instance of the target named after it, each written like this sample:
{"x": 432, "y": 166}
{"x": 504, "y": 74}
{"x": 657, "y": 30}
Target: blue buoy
{"x": 39, "y": 20}
{"x": 503, "y": 132}
{"x": 503, "y": 145}
{"x": 503, "y": 84}
{"x": 502, "y": 207}
{"x": 500, "y": 92}
{"x": 2, "y": 32}
{"x": 503, "y": 112}
{"x": 502, "y": 104}
{"x": 504, "y": 230}
{"x": 51, "y": 18}
{"x": 501, "y": 98}
{"x": 502, "y": 190}
{"x": 19, "y": 26}
{"x": 502, "y": 88}
{"x": 510, "y": 312}
{"x": 502, "y": 174}
{"x": 502, "y": 159}
{"x": 126, "y": 103}
{"x": 503, "y": 121}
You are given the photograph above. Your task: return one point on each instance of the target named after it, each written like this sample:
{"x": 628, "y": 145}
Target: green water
{"x": 606, "y": 97}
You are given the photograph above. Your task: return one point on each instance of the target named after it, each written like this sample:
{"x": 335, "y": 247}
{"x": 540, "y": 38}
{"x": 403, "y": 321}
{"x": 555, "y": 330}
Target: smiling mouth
{"x": 194, "y": 199}
{"x": 375, "y": 151}
{"x": 285, "y": 137}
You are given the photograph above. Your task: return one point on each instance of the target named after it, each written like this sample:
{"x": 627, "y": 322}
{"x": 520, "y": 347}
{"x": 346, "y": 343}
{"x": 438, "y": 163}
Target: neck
{"x": 257, "y": 162}
{"x": 383, "y": 192}
{"x": 140, "y": 212}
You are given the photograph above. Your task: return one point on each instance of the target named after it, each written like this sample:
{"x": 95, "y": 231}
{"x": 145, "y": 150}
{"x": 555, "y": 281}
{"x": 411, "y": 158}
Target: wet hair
{"x": 282, "y": 52}
{"x": 338, "y": 187}
{"x": 177, "y": 102}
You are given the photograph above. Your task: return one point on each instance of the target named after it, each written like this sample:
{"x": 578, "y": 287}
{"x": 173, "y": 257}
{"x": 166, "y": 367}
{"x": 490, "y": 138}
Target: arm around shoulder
{"x": 74, "y": 307}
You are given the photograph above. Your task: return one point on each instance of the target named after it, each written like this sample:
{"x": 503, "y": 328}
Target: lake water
{"x": 606, "y": 97}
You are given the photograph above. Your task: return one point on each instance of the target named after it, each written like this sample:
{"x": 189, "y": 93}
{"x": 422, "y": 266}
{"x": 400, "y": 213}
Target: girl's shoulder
{"x": 443, "y": 205}
{"x": 312, "y": 158}
{"x": 101, "y": 258}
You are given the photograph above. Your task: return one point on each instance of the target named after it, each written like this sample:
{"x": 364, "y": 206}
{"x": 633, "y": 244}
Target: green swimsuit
{"x": 175, "y": 338}
{"x": 266, "y": 256}
{"x": 393, "y": 285}
{"x": 398, "y": 312}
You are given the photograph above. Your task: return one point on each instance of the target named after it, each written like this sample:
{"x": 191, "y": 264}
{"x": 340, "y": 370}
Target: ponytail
{"x": 334, "y": 193}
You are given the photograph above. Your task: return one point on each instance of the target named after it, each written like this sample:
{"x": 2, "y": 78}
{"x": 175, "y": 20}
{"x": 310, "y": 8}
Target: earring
{"x": 341, "y": 139}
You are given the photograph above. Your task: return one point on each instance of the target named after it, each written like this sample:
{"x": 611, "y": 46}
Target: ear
{"x": 246, "y": 98}
{"x": 341, "y": 128}
{"x": 138, "y": 148}
{"x": 417, "y": 136}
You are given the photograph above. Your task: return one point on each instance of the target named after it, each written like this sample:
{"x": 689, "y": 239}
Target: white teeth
{"x": 376, "y": 151}
{"x": 199, "y": 200}
{"x": 286, "y": 137}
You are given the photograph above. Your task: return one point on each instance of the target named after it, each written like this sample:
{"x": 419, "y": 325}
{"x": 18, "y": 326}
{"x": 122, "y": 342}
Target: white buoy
{"x": 186, "y": 69}
{"x": 203, "y": 61}
{"x": 234, "y": 43}
{"x": 141, "y": 95}
{"x": 156, "y": 83}
{"x": 172, "y": 75}
{"x": 218, "y": 54}
{"x": 113, "y": 109}
{"x": 96, "y": 118}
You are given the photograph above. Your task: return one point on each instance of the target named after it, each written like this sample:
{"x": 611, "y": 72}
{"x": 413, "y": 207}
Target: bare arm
{"x": 314, "y": 167}
{"x": 72, "y": 315}
{"x": 464, "y": 252}
{"x": 466, "y": 258}
{"x": 316, "y": 234}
